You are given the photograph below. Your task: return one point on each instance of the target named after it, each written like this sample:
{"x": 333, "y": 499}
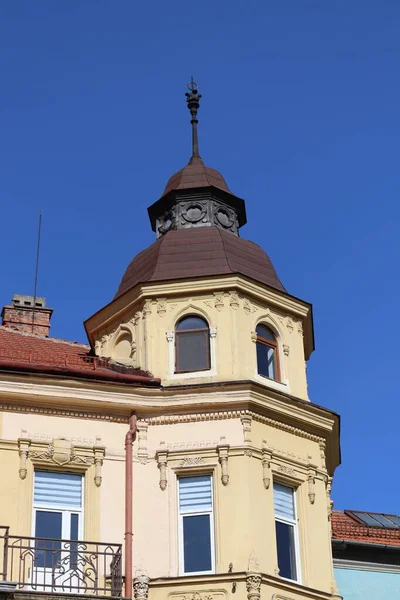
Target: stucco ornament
{"x": 192, "y": 461}
{"x": 223, "y": 451}
{"x": 253, "y": 585}
{"x": 142, "y": 430}
{"x": 290, "y": 324}
{"x": 311, "y": 485}
{"x": 286, "y": 349}
{"x": 234, "y": 300}
{"x": 141, "y": 587}
{"x": 147, "y": 308}
{"x": 219, "y": 301}
{"x": 161, "y": 306}
{"x": 266, "y": 465}
{"x": 286, "y": 470}
{"x": 162, "y": 461}
{"x": 60, "y": 452}
{"x": 246, "y": 424}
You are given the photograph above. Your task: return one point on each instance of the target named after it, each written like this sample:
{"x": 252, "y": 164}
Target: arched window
{"x": 192, "y": 345}
{"x": 267, "y": 353}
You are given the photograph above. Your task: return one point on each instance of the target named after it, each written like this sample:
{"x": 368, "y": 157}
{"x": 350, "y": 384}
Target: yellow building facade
{"x": 203, "y": 352}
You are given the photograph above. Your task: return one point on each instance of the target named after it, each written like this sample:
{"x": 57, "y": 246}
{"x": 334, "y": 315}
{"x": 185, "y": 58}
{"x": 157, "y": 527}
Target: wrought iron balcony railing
{"x": 57, "y": 566}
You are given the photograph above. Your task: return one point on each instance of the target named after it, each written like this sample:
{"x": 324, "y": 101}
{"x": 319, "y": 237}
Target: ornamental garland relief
{"x": 60, "y": 452}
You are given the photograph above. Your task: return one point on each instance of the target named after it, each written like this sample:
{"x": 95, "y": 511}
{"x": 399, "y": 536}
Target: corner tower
{"x": 200, "y": 265}
{"x": 234, "y": 462}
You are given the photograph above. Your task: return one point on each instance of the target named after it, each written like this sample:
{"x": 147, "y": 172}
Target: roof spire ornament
{"x": 193, "y": 102}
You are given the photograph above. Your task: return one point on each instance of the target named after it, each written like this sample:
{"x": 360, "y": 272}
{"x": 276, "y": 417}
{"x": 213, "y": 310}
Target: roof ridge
{"x": 224, "y": 247}
{"x": 43, "y": 337}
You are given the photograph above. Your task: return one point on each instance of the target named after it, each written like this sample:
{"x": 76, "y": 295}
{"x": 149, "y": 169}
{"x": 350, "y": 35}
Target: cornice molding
{"x": 115, "y": 310}
{"x": 73, "y": 414}
{"x": 358, "y": 565}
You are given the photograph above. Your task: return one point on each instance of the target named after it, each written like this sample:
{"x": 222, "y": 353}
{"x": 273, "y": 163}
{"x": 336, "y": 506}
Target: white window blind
{"x": 284, "y": 501}
{"x": 57, "y": 489}
{"x": 195, "y": 494}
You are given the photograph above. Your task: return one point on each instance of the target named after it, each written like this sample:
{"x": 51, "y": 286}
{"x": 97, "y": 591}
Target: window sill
{"x": 196, "y": 573}
{"x": 192, "y": 374}
{"x": 272, "y": 383}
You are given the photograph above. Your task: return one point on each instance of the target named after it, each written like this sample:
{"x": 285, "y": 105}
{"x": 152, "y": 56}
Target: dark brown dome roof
{"x": 199, "y": 252}
{"x": 195, "y": 175}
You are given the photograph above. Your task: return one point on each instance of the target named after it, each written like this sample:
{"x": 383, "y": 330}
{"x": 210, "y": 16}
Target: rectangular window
{"x": 286, "y": 531}
{"x": 196, "y": 527}
{"x": 58, "y": 515}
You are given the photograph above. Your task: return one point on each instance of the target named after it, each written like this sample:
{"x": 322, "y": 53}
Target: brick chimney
{"x": 27, "y": 314}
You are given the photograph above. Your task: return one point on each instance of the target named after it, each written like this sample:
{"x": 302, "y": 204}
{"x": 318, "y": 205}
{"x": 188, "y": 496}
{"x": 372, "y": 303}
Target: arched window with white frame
{"x": 267, "y": 352}
{"x": 192, "y": 345}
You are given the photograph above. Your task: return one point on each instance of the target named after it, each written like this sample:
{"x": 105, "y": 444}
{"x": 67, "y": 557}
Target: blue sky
{"x": 300, "y": 113}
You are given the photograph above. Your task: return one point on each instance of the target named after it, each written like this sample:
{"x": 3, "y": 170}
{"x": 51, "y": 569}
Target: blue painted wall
{"x": 356, "y": 584}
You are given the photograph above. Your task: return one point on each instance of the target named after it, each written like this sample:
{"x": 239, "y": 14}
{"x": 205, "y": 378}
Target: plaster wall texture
{"x": 16, "y": 505}
{"x": 142, "y": 334}
{"x": 357, "y": 584}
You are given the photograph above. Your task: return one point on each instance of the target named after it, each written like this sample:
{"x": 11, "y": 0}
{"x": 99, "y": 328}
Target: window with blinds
{"x": 58, "y": 514}
{"x": 286, "y": 531}
{"x": 196, "y": 524}
{"x": 57, "y": 489}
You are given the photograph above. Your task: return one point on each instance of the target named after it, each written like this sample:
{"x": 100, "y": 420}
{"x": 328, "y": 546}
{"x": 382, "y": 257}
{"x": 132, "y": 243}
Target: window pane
{"x": 197, "y": 543}
{"x": 193, "y": 351}
{"x": 192, "y": 323}
{"x": 265, "y": 332}
{"x": 48, "y": 525}
{"x": 74, "y": 536}
{"x": 266, "y": 360}
{"x": 286, "y": 550}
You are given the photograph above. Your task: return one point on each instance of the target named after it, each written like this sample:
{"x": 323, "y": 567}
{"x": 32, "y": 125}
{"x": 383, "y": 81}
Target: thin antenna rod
{"x": 36, "y": 269}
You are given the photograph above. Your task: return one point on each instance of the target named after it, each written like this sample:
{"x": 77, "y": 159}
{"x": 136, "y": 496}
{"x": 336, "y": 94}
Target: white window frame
{"x": 66, "y": 510}
{"x": 192, "y": 374}
{"x": 191, "y": 513}
{"x": 294, "y": 524}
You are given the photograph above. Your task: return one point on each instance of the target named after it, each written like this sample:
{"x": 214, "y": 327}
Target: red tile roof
{"x": 33, "y": 353}
{"x": 344, "y": 527}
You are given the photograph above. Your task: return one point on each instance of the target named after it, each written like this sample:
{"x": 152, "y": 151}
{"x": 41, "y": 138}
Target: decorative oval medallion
{"x": 224, "y": 219}
{"x": 194, "y": 213}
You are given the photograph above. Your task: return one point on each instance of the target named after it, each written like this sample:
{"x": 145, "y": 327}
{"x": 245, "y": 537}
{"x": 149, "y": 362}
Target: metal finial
{"x": 193, "y": 102}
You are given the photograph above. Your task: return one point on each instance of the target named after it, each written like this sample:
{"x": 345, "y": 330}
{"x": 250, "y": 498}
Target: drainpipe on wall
{"x": 129, "y": 439}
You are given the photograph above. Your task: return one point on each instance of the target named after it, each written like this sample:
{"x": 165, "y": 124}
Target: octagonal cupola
{"x": 197, "y": 195}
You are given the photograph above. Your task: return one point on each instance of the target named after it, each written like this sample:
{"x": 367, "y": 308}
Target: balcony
{"x": 60, "y": 566}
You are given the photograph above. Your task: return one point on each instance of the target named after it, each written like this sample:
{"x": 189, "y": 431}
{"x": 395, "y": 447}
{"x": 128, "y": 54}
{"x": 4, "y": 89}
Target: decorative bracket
{"x": 23, "y": 450}
{"x": 60, "y": 452}
{"x": 266, "y": 465}
{"x": 223, "y": 451}
{"x": 246, "y": 423}
{"x": 162, "y": 461}
{"x": 311, "y": 474}
{"x": 141, "y": 587}
{"x": 253, "y": 585}
{"x": 142, "y": 427}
